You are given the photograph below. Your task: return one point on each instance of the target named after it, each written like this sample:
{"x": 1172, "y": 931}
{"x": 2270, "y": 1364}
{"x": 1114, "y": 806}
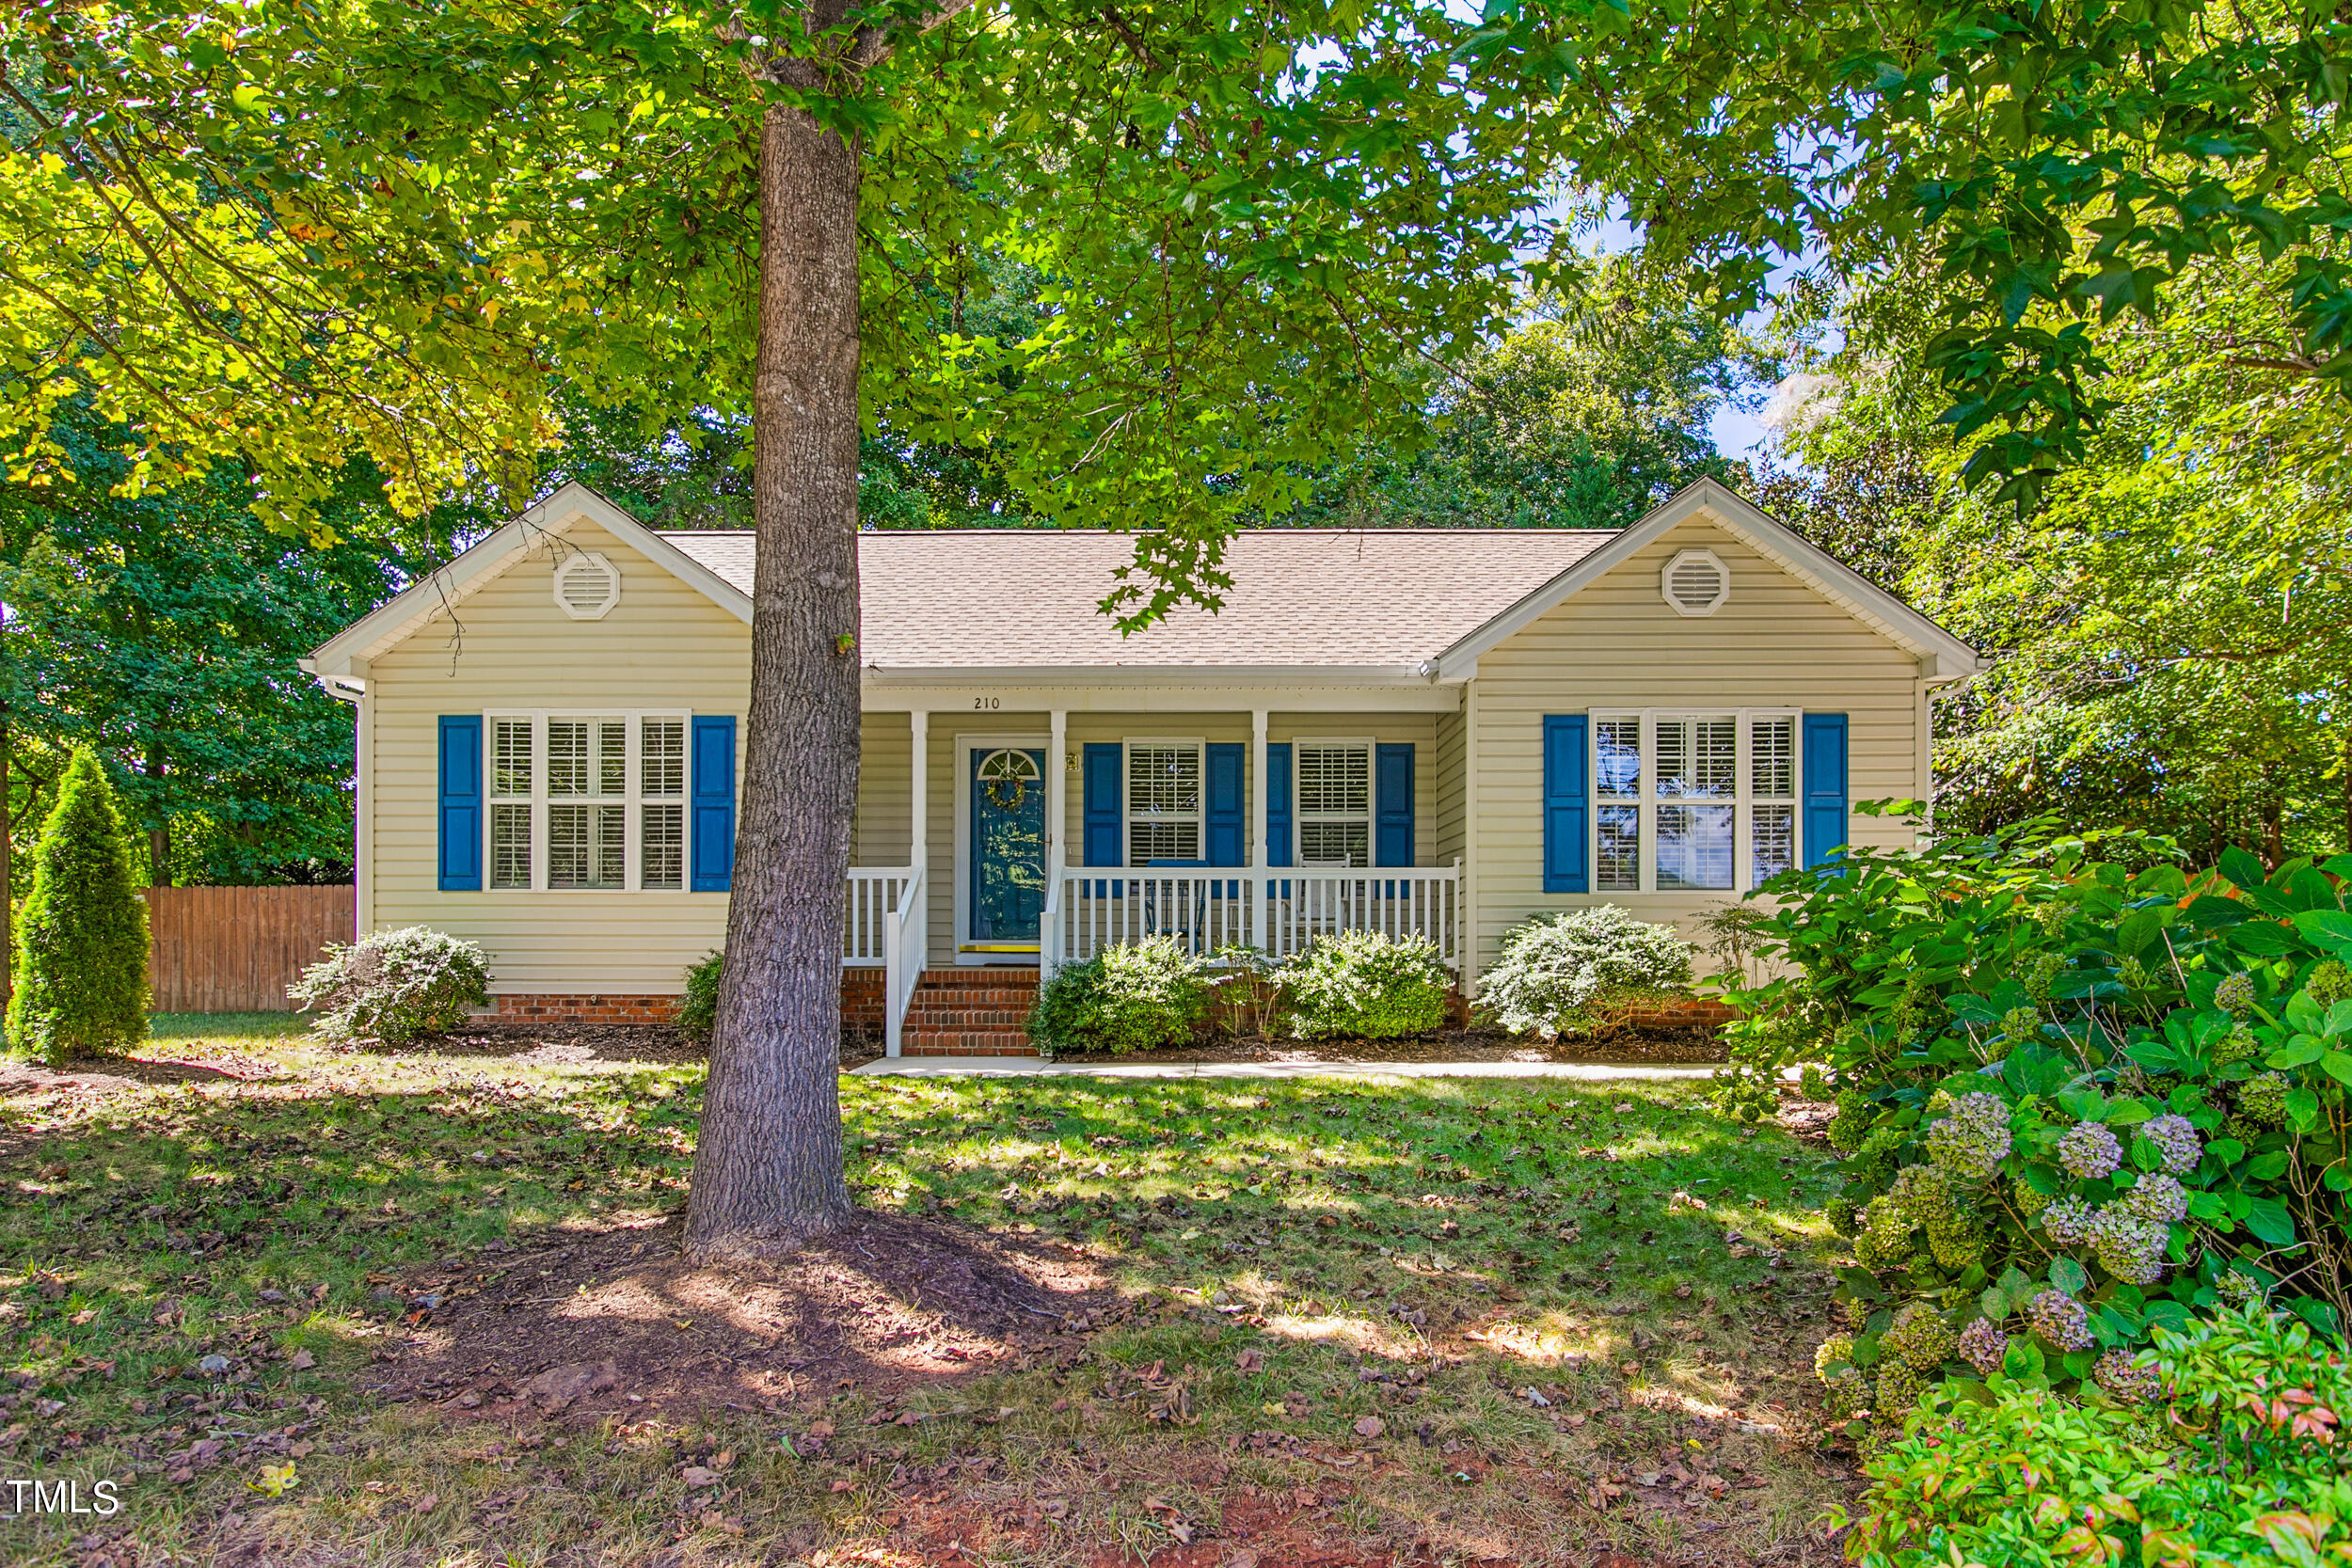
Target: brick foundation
{"x": 861, "y": 1007}
{"x": 1695, "y": 1012}
{"x": 580, "y": 1009}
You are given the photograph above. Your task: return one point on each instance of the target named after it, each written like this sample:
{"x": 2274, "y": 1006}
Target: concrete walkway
{"x": 1037, "y": 1067}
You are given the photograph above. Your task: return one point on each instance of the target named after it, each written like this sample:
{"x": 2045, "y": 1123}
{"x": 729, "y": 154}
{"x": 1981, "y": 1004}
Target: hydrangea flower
{"x": 2235, "y": 995}
{"x": 2089, "y": 1150}
{"x": 2262, "y": 1100}
{"x": 1885, "y": 1238}
{"x": 2238, "y": 1290}
{"x": 1974, "y": 1139}
{"x": 2030, "y": 1200}
{"x": 2129, "y": 1247}
{"x": 1834, "y": 1350}
{"x": 2125, "y": 1383}
{"x": 1842, "y": 1393}
{"x": 2059, "y": 1319}
{"x": 1982, "y": 1345}
{"x": 2067, "y": 1221}
{"x": 2177, "y": 1140}
{"x": 2158, "y": 1199}
{"x": 1919, "y": 1338}
{"x": 1898, "y": 1388}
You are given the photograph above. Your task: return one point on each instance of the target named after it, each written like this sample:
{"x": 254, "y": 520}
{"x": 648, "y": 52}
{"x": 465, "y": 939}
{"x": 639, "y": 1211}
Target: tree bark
{"x": 768, "y": 1172}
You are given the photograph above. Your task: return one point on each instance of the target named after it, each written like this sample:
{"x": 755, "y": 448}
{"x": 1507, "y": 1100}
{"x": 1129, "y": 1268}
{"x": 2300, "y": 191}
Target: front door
{"x": 1008, "y": 848}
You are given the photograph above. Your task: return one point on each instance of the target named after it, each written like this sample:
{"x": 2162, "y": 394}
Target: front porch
{"x": 1036, "y": 839}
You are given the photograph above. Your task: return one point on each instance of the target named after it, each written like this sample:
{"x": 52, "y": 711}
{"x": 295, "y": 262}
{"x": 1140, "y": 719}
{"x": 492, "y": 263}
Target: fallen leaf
{"x": 426, "y": 1504}
{"x": 696, "y": 1476}
{"x": 1371, "y": 1426}
{"x": 845, "y": 1486}
{"x": 302, "y": 1361}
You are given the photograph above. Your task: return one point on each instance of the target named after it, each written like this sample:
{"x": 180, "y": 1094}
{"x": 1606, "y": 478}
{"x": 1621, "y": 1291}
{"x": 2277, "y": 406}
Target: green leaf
{"x": 2243, "y": 869}
{"x": 2338, "y": 1065}
{"x": 2332, "y": 928}
{"x": 2270, "y": 1222}
{"x": 2066, "y": 1275}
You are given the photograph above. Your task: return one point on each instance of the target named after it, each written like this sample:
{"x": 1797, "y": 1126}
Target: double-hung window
{"x": 1334, "y": 801}
{"x": 587, "y": 800}
{"x": 1692, "y": 802}
{"x": 1164, "y": 791}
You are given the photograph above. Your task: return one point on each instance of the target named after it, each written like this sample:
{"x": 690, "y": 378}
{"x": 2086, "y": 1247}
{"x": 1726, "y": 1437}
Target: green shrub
{"x": 698, "y": 1009}
{"x": 81, "y": 970}
{"x": 2208, "y": 1449}
{"x": 1123, "y": 998}
{"x": 1577, "y": 970}
{"x": 2077, "y": 1101}
{"x": 394, "y": 986}
{"x": 1365, "y": 985}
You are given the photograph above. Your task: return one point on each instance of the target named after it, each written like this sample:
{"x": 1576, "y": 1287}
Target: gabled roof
{"x": 1380, "y": 600}
{"x": 539, "y": 528}
{"x": 1382, "y": 603}
{"x": 1836, "y": 581}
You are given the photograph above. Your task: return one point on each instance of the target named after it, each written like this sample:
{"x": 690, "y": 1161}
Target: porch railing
{"x": 874, "y": 892}
{"x": 906, "y": 942}
{"x": 1278, "y": 912}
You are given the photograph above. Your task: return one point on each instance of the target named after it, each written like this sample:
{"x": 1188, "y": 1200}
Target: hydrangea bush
{"x": 2077, "y": 1101}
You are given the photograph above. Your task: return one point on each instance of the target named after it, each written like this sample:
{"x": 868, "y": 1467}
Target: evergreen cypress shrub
{"x": 81, "y": 971}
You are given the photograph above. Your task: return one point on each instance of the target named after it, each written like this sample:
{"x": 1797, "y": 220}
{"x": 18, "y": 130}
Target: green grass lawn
{"x": 1572, "y": 1316}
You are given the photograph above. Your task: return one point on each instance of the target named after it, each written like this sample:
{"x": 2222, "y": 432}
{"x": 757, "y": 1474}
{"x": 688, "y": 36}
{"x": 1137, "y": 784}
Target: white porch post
{"x": 919, "y": 835}
{"x": 1257, "y": 826}
{"x": 1057, "y": 796}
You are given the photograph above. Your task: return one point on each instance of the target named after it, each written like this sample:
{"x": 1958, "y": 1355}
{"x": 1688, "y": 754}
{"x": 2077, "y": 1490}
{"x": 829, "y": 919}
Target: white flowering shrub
{"x": 1576, "y": 971}
{"x": 394, "y": 986}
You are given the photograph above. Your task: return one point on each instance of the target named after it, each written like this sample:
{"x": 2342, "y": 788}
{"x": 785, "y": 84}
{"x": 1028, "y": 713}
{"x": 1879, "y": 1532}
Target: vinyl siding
{"x": 1446, "y": 827}
{"x": 1617, "y": 644}
{"x": 508, "y": 646}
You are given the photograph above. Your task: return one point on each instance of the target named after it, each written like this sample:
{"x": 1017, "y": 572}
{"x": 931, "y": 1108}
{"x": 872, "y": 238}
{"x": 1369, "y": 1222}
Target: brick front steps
{"x": 970, "y": 1012}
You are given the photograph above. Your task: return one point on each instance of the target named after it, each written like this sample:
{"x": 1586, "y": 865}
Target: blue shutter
{"x": 1824, "y": 786}
{"x": 1226, "y": 836}
{"x": 1392, "y": 805}
{"x": 712, "y": 806}
{"x": 1105, "y": 844}
{"x": 1278, "y": 804}
{"x": 1566, "y": 791}
{"x": 461, "y": 802}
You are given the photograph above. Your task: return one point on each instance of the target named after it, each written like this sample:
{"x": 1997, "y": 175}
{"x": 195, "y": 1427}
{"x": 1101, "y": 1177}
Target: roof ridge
{"x": 1112, "y": 533}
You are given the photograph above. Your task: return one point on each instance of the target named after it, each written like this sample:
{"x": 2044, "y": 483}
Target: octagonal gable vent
{"x": 587, "y": 586}
{"x": 1696, "y": 582}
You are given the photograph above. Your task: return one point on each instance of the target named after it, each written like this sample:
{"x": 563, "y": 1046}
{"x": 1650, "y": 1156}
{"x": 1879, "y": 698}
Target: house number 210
{"x": 988, "y": 702}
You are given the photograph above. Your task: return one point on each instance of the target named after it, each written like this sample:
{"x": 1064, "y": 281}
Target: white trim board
{"x": 435, "y": 594}
{"x": 1951, "y": 658}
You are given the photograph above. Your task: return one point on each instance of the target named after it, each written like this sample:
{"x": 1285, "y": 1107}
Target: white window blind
{"x": 1163, "y": 801}
{"x": 1693, "y": 802}
{"x": 512, "y": 780}
{"x": 1773, "y": 797}
{"x": 582, "y": 801}
{"x": 662, "y": 773}
{"x": 1333, "y": 784}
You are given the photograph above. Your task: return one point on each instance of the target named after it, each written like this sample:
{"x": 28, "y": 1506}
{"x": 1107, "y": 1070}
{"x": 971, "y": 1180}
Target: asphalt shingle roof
{"x": 1300, "y": 597}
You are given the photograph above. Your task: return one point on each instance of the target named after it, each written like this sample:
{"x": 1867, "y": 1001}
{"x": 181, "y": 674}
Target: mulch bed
{"x": 593, "y": 1322}
{"x": 1452, "y": 1045}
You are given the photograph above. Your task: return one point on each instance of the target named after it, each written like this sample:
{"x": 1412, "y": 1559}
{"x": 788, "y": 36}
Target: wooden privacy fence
{"x": 236, "y": 949}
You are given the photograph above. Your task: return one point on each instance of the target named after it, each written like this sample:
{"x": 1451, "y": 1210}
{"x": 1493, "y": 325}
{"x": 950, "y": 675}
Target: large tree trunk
{"x": 768, "y": 1169}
